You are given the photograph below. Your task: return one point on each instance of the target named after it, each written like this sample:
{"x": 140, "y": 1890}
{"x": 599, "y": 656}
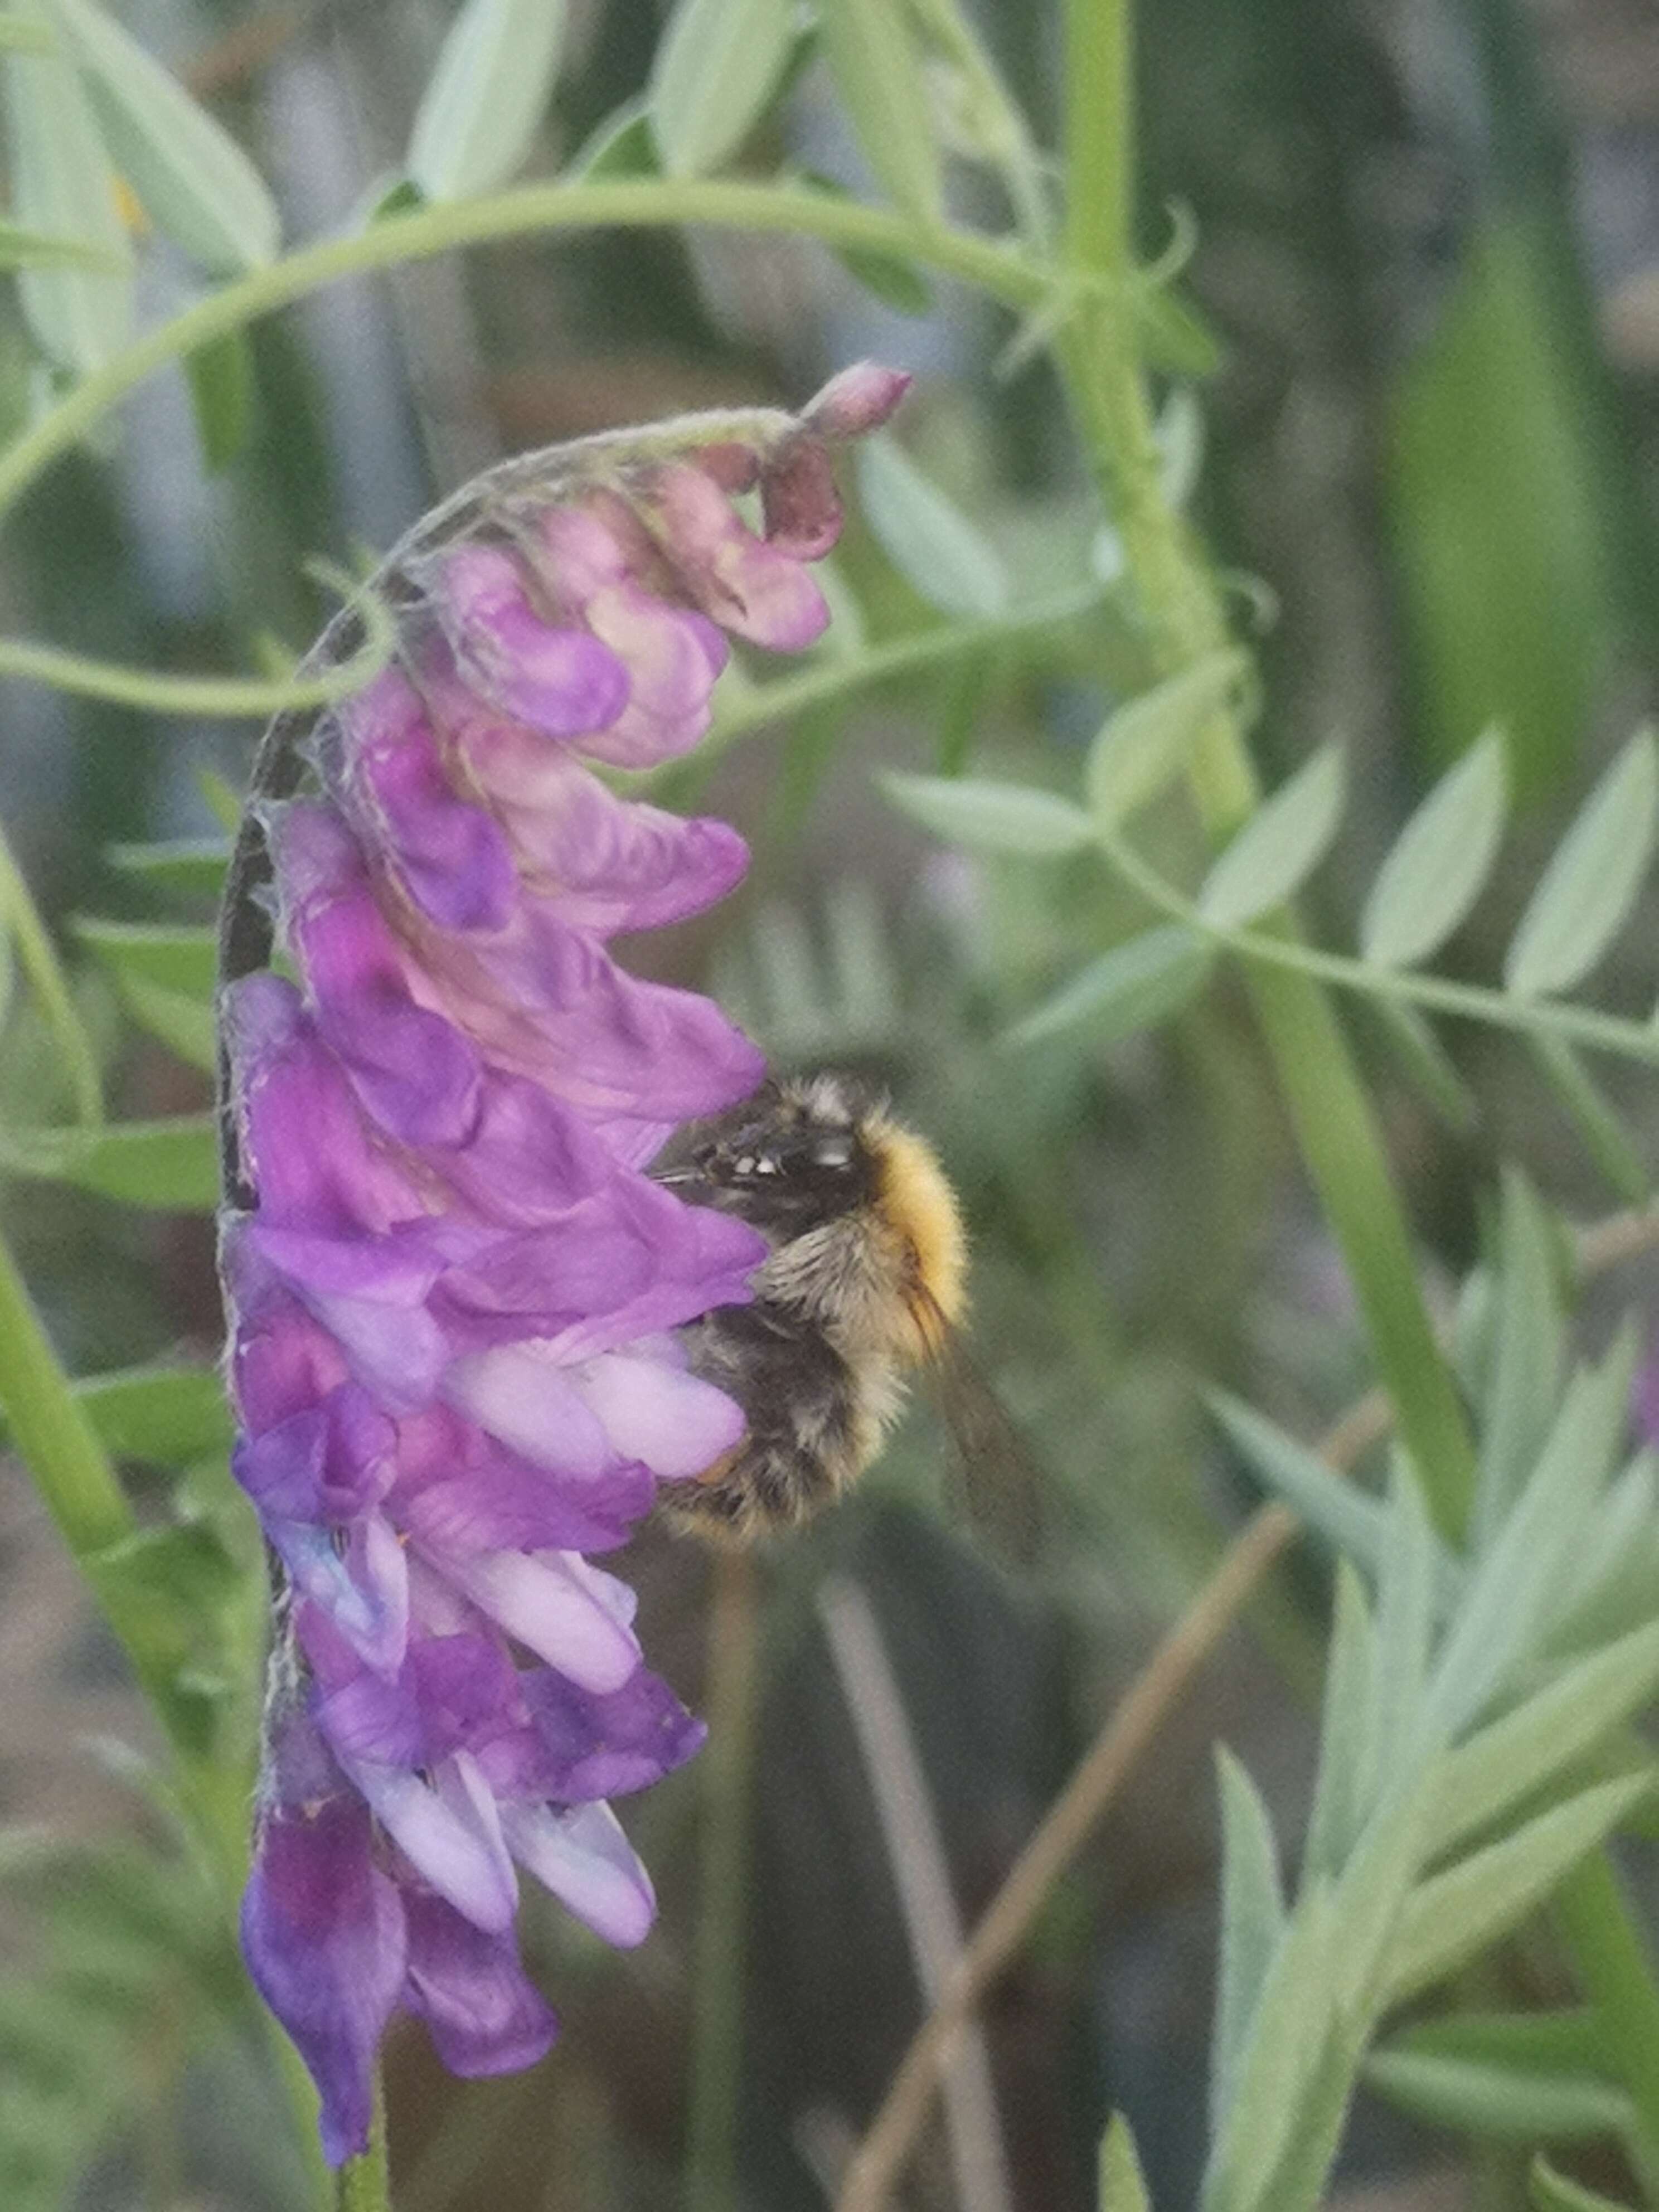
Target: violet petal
{"x": 483, "y": 2014}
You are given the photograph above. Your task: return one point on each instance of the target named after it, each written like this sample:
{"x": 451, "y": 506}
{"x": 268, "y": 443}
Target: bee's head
{"x": 797, "y": 1153}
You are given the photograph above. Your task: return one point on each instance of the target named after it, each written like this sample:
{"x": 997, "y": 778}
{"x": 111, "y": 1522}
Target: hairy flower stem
{"x": 20, "y": 918}
{"x": 1328, "y": 1108}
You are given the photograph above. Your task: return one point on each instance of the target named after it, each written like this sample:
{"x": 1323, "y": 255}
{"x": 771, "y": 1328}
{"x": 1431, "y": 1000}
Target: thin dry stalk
{"x": 922, "y": 1877}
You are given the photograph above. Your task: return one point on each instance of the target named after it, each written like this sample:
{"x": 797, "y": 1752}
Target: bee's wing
{"x": 1000, "y": 1484}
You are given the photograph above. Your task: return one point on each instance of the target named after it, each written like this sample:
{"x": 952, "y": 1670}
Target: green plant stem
{"x": 1328, "y": 1109}
{"x": 365, "y": 2184}
{"x": 633, "y": 204}
{"x": 1100, "y": 156}
{"x": 50, "y": 1428}
{"x": 21, "y": 916}
{"x": 1330, "y": 1112}
{"x": 254, "y": 698}
{"x": 728, "y": 1787}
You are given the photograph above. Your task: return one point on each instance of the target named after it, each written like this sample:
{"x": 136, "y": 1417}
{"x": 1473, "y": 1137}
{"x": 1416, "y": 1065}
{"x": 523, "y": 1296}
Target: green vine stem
{"x": 20, "y": 918}
{"x": 1332, "y": 1115}
{"x": 247, "y": 697}
{"x": 1473, "y": 1002}
{"x": 50, "y": 1430}
{"x": 1002, "y": 271}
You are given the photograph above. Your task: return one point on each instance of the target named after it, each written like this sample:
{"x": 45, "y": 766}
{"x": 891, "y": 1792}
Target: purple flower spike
{"x": 454, "y": 1287}
{"x": 564, "y": 683}
{"x": 756, "y": 589}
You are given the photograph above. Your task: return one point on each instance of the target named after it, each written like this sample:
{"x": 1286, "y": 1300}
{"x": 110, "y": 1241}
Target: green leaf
{"x": 926, "y": 538}
{"x": 1345, "y": 1786}
{"x": 185, "y": 1025}
{"x": 1176, "y": 335}
{"x": 1607, "y": 1587}
{"x": 182, "y": 956}
{"x": 897, "y": 282}
{"x": 168, "y": 1591}
{"x": 23, "y": 34}
{"x": 1420, "y": 1052}
{"x": 166, "y": 1415}
{"x": 865, "y": 984}
{"x": 988, "y": 817}
{"x": 172, "y": 1165}
{"x": 1133, "y": 986}
{"x": 192, "y": 867}
{"x": 717, "y": 65}
{"x": 1296, "y": 2183}
{"x": 1567, "y": 2040}
{"x": 1252, "y": 1923}
{"x": 1405, "y": 1622}
{"x": 878, "y": 72}
{"x": 1178, "y": 434}
{"x": 1506, "y": 1604}
{"x": 1550, "y": 2191}
{"x": 1496, "y": 2102}
{"x": 38, "y": 249}
{"x": 486, "y": 97}
{"x": 1585, "y": 895}
{"x": 1122, "y": 2183}
{"x": 1607, "y": 1140}
{"x": 1281, "y": 2059}
{"x": 621, "y": 145}
{"x": 62, "y": 184}
{"x": 221, "y": 377}
{"x": 223, "y": 796}
{"x": 1144, "y": 742}
{"x": 1279, "y": 847}
{"x": 1496, "y": 492}
{"x": 195, "y": 181}
{"x": 1347, "y": 1519}
{"x": 1439, "y": 862}
{"x": 1452, "y": 1916}
{"x": 1370, "y": 1899}
{"x": 1523, "y": 1389}
{"x": 385, "y": 197}
{"x": 1503, "y": 1762}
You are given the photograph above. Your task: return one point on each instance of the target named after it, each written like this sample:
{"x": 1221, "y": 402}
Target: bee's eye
{"x": 833, "y": 1152}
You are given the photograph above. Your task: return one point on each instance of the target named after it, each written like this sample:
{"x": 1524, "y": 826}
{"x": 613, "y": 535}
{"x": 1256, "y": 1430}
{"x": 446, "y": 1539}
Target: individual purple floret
{"x": 455, "y": 1295}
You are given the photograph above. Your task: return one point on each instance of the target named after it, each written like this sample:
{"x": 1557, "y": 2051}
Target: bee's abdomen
{"x": 808, "y": 1432}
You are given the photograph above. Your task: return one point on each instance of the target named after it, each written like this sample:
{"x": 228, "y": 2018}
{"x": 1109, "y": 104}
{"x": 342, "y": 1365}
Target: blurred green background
{"x": 1429, "y": 246}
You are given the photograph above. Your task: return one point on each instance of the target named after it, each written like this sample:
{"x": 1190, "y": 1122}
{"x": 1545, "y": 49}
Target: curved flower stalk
{"x": 454, "y": 1287}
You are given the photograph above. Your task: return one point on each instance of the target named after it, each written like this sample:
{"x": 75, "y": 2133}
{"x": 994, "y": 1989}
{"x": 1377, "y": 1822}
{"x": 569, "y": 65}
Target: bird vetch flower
{"x": 454, "y": 1288}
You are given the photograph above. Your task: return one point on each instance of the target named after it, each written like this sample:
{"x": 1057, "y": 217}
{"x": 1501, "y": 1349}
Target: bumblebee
{"x": 865, "y": 1282}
